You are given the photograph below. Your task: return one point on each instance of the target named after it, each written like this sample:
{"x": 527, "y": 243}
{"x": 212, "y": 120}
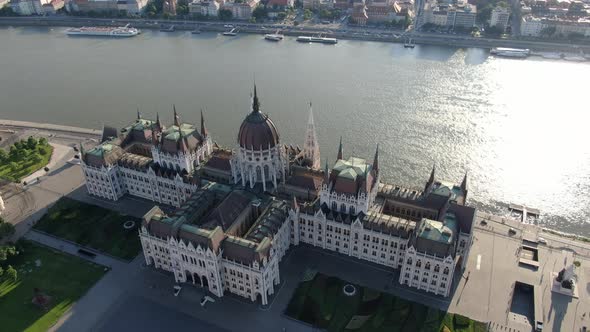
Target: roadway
{"x": 336, "y": 30}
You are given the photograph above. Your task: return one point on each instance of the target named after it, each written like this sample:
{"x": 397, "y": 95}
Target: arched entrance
{"x": 205, "y": 282}
{"x": 196, "y": 279}
{"x": 188, "y": 277}
{"x": 259, "y": 298}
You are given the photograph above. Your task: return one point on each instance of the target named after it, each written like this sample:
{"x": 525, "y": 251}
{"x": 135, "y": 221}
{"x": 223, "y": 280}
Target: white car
{"x": 177, "y": 290}
{"x": 542, "y": 240}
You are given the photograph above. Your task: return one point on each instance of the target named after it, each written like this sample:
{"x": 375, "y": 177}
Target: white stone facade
{"x": 250, "y": 166}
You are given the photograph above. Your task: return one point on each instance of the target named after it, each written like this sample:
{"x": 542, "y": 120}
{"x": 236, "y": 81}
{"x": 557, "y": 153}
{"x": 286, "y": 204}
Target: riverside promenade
{"x": 48, "y": 126}
{"x": 331, "y": 30}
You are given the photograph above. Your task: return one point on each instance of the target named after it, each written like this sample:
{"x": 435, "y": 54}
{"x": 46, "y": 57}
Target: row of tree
{"x": 7, "y": 251}
{"x": 29, "y": 149}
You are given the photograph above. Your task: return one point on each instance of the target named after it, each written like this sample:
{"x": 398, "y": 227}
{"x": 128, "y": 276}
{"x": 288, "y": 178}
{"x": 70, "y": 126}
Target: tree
{"x": 494, "y": 31}
{"x": 31, "y": 143}
{"x": 13, "y": 154}
{"x": 3, "y": 156}
{"x": 7, "y": 11}
{"x": 13, "y": 166}
{"x": 37, "y": 158}
{"x": 11, "y": 273}
{"x": 307, "y": 14}
{"x": 485, "y": 13}
{"x": 43, "y": 141}
{"x": 6, "y": 230}
{"x": 225, "y": 14}
{"x": 260, "y": 13}
{"x": 282, "y": 15}
{"x": 7, "y": 251}
{"x": 548, "y": 31}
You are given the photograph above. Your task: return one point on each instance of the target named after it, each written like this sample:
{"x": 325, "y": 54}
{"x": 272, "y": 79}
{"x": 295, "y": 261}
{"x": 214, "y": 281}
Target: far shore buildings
{"x": 381, "y": 11}
{"x": 134, "y": 7}
{"x": 239, "y": 211}
{"x": 448, "y": 15}
{"x": 241, "y": 10}
{"x": 500, "y": 17}
{"x": 555, "y": 19}
{"x": 36, "y": 7}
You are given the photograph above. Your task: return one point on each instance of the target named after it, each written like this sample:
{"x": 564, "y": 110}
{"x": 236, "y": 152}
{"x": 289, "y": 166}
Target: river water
{"x": 519, "y": 127}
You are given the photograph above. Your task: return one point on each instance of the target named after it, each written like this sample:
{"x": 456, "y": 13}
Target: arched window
{"x": 418, "y": 263}
{"x": 462, "y": 244}
{"x": 436, "y": 268}
{"x": 352, "y": 210}
{"x": 409, "y": 261}
{"x": 446, "y": 270}
{"x": 427, "y": 266}
{"x": 258, "y": 174}
{"x": 334, "y": 206}
{"x": 343, "y": 208}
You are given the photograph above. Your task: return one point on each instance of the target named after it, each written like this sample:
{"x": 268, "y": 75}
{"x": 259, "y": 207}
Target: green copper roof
{"x": 172, "y": 132}
{"x": 100, "y": 150}
{"x": 437, "y": 231}
{"x": 352, "y": 168}
{"x": 140, "y": 124}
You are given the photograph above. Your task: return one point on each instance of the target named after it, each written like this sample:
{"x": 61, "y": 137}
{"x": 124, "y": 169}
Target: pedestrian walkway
{"x": 72, "y": 249}
{"x": 48, "y": 126}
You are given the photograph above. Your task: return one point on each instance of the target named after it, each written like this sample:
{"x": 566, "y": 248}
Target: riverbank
{"x": 352, "y": 33}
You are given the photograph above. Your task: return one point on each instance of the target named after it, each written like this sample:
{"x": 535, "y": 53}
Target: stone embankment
{"x": 353, "y": 33}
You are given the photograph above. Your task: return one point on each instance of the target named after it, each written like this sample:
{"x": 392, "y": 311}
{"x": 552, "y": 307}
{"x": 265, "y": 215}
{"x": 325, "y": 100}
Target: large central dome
{"x": 257, "y": 130}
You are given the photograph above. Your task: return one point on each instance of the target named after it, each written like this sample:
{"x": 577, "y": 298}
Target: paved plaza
{"x": 133, "y": 295}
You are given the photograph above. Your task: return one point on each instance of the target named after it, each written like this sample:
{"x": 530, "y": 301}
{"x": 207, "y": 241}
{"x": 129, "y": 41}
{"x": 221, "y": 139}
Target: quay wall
{"x": 186, "y": 25}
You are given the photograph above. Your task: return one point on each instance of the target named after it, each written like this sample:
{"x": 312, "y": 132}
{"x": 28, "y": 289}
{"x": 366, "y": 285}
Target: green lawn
{"x": 62, "y": 277}
{"x": 93, "y": 227}
{"x": 321, "y": 302}
{"x": 26, "y": 166}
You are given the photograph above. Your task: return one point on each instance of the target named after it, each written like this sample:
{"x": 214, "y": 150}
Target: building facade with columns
{"x": 230, "y": 238}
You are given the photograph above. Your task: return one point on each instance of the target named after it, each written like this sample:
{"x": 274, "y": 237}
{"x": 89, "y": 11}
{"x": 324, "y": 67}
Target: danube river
{"x": 519, "y": 127}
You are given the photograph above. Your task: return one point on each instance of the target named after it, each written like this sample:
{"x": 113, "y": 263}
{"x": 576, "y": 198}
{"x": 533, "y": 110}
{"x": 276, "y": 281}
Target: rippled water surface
{"x": 520, "y": 128}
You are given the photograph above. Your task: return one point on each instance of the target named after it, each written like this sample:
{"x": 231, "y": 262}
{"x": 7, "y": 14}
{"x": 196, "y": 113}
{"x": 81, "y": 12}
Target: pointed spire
{"x": 158, "y": 123}
{"x": 311, "y": 148}
{"x": 294, "y": 204}
{"x": 203, "y": 129}
{"x": 138, "y": 114}
{"x": 464, "y": 183}
{"x": 431, "y": 180}
{"x": 176, "y": 119}
{"x": 340, "y": 149}
{"x": 154, "y": 136}
{"x": 376, "y": 159}
{"x": 255, "y": 102}
{"x": 326, "y": 173}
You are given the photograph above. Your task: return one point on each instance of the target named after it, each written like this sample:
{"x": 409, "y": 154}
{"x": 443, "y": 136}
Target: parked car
{"x": 542, "y": 240}
{"x": 512, "y": 231}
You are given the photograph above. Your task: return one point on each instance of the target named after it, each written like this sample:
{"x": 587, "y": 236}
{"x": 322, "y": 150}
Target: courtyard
{"x": 335, "y": 305}
{"x": 93, "y": 227}
{"x": 60, "y": 279}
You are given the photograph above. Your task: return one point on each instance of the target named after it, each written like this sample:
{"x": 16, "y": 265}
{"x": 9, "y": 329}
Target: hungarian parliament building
{"x": 237, "y": 212}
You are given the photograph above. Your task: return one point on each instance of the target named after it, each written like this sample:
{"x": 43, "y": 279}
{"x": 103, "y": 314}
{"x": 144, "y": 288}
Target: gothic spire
{"x": 255, "y": 102}
{"x": 311, "y": 148}
{"x": 326, "y": 173}
{"x": 158, "y": 123}
{"x": 340, "y": 150}
{"x": 176, "y": 118}
{"x": 138, "y": 114}
{"x": 464, "y": 183}
{"x": 154, "y": 136}
{"x": 376, "y": 159}
{"x": 203, "y": 129}
{"x": 294, "y": 203}
{"x": 431, "y": 180}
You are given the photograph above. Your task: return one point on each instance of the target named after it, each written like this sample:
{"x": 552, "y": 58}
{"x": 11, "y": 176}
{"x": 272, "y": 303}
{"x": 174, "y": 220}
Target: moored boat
{"x": 323, "y": 40}
{"x": 510, "y": 52}
{"x": 125, "y": 31}
{"x": 274, "y": 37}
